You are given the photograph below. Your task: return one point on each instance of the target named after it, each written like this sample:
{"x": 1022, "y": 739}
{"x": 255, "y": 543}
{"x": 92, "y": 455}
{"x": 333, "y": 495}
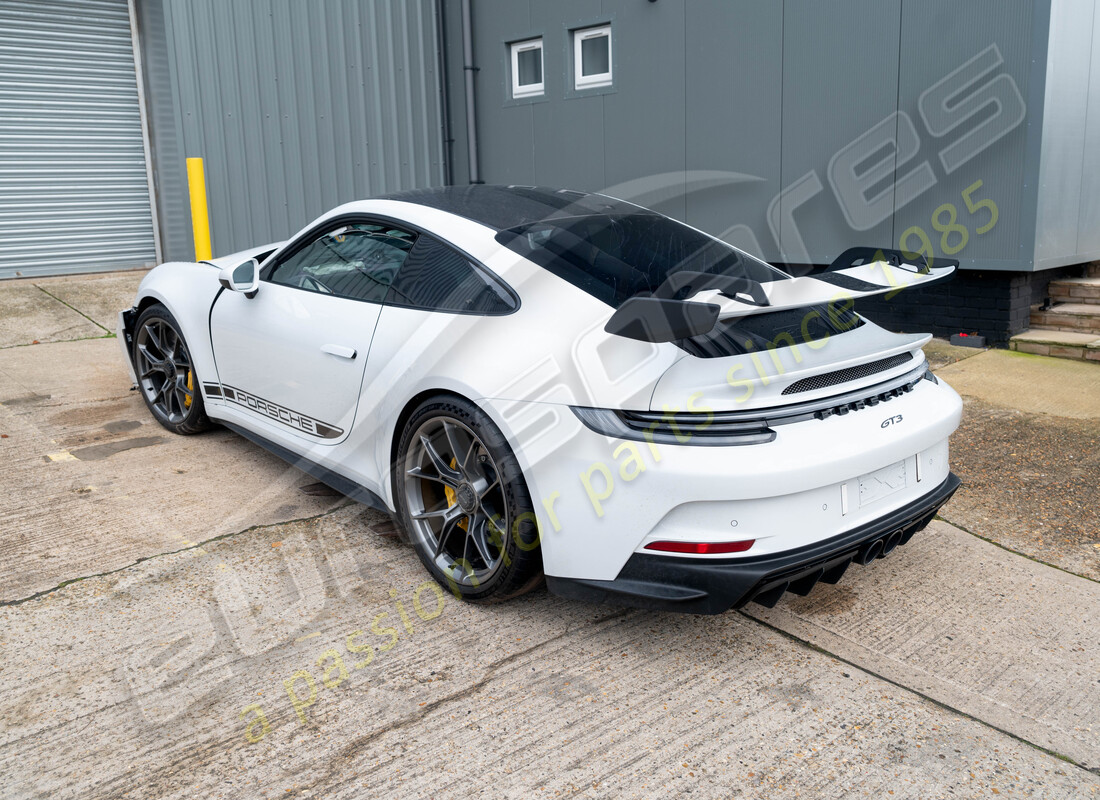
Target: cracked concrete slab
{"x": 30, "y": 315}
{"x": 1005, "y": 639}
{"x": 66, "y": 517}
{"x": 148, "y": 683}
{"x": 1034, "y": 384}
{"x": 99, "y": 297}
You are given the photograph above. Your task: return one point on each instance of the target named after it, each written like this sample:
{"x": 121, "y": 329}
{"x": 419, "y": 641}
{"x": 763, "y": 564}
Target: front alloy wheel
{"x": 165, "y": 373}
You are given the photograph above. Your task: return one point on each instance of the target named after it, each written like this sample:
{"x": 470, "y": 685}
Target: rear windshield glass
{"x": 616, "y": 256}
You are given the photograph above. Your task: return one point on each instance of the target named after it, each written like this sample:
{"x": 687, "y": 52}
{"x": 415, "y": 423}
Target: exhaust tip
{"x": 890, "y": 544}
{"x": 870, "y": 552}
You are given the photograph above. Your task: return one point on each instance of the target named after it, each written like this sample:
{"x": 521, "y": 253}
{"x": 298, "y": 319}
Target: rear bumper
{"x": 711, "y": 586}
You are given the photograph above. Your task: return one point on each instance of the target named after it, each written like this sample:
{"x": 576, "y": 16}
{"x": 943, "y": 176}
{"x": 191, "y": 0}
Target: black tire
{"x": 166, "y": 376}
{"x": 494, "y": 565}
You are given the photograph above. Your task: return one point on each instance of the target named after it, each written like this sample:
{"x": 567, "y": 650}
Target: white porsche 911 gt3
{"x": 544, "y": 382}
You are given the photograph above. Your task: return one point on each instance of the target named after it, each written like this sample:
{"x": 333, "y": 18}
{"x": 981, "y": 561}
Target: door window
{"x": 357, "y": 261}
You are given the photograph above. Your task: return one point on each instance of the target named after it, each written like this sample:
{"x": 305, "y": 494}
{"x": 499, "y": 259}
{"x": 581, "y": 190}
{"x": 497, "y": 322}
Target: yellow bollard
{"x": 200, "y": 219}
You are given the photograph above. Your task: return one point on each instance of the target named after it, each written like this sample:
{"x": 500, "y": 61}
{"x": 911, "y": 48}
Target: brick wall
{"x": 993, "y": 304}
{"x": 996, "y": 305}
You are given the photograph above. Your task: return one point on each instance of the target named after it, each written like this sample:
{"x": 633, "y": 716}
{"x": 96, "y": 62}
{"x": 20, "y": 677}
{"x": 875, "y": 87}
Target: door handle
{"x": 340, "y": 351}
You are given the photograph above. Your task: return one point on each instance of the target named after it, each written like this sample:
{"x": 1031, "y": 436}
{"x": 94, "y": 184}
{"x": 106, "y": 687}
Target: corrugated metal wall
{"x": 750, "y": 119}
{"x": 74, "y": 191}
{"x": 295, "y": 107}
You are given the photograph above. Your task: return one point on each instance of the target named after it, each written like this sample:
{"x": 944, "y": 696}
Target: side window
{"x": 436, "y": 278}
{"x": 356, "y": 261}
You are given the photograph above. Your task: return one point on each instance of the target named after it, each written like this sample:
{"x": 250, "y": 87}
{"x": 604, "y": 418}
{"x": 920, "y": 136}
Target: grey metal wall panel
{"x": 1088, "y": 222}
{"x": 505, "y": 130}
{"x": 1063, "y": 148}
{"x": 568, "y": 144}
{"x": 297, "y": 107}
{"x": 990, "y": 141}
{"x": 646, "y": 114}
{"x": 840, "y": 79}
{"x": 456, "y": 76}
{"x": 733, "y": 91}
{"x": 794, "y": 122}
{"x": 569, "y": 133}
{"x": 1069, "y": 172}
{"x": 74, "y": 193}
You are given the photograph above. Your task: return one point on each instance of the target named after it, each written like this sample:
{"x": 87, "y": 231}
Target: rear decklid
{"x": 791, "y": 372}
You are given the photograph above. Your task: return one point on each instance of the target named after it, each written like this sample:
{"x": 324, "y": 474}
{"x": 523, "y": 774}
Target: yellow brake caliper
{"x": 190, "y": 388}
{"x": 452, "y": 497}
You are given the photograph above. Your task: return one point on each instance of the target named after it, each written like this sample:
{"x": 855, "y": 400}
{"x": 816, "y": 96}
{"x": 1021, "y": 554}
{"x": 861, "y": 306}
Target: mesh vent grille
{"x": 850, "y": 374}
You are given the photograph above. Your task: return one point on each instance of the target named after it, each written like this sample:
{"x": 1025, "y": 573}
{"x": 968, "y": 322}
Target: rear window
{"x": 620, "y": 254}
{"x": 616, "y": 256}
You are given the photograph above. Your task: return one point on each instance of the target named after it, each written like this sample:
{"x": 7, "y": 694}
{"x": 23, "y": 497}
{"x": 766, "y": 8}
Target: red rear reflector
{"x": 701, "y": 548}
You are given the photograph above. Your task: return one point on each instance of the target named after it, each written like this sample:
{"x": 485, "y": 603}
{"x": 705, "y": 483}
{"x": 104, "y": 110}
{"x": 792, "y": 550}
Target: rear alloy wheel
{"x": 165, "y": 373}
{"x": 465, "y": 505}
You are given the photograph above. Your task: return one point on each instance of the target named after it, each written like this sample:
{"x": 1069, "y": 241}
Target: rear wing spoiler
{"x": 857, "y": 272}
{"x": 692, "y": 303}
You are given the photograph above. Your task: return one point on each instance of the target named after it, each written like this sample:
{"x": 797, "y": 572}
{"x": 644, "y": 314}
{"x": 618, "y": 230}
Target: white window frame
{"x": 580, "y": 80}
{"x": 530, "y": 89}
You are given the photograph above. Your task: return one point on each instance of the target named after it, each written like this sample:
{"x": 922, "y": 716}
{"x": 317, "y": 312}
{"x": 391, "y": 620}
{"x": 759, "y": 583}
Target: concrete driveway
{"x": 186, "y": 617}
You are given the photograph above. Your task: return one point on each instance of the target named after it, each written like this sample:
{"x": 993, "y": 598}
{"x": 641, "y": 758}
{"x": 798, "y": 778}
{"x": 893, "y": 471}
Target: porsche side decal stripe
{"x": 292, "y": 419}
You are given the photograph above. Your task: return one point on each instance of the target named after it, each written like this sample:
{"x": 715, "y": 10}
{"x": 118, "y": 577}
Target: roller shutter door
{"x": 74, "y": 191}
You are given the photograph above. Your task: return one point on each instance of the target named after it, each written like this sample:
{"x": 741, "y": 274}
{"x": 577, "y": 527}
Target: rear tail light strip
{"x": 701, "y": 548}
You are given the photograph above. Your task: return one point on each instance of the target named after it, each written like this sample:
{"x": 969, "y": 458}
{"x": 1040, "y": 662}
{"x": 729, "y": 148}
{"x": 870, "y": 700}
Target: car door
{"x": 291, "y": 358}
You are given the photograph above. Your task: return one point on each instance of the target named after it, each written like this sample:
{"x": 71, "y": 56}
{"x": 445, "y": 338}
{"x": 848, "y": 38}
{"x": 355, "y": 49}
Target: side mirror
{"x": 655, "y": 319}
{"x": 242, "y": 278}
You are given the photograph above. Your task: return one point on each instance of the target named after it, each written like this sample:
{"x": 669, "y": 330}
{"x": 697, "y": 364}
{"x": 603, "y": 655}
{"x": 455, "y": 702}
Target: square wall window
{"x": 592, "y": 57}
{"x": 527, "y": 68}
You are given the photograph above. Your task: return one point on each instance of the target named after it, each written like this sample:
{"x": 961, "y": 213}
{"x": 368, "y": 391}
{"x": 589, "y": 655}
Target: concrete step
{"x": 1078, "y": 317}
{"x": 1060, "y": 344}
{"x": 1076, "y": 290}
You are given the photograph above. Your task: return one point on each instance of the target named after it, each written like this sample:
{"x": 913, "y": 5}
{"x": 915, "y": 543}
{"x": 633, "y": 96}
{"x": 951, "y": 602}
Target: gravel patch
{"x": 1030, "y": 484}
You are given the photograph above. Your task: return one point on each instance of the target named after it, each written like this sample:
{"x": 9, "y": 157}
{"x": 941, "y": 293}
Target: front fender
{"x": 188, "y": 292}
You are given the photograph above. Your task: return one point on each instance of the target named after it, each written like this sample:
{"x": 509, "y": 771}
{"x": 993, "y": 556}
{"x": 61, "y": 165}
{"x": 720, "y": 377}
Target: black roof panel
{"x": 503, "y": 207}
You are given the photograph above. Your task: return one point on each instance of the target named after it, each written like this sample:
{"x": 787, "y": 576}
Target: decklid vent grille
{"x": 848, "y": 374}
